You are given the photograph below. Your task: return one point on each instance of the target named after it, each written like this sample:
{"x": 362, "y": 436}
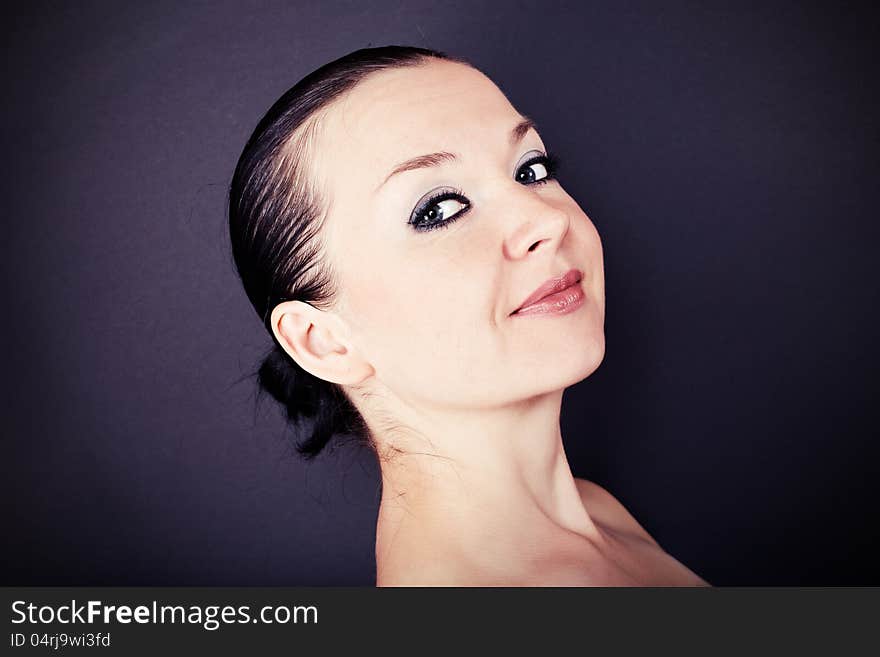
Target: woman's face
{"x": 431, "y": 310}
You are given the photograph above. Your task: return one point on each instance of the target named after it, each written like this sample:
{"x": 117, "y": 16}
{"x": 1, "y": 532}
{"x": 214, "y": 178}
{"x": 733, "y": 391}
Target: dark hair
{"x": 275, "y": 216}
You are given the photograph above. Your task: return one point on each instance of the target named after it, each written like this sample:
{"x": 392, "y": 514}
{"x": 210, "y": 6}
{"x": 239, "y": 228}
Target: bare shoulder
{"x": 440, "y": 571}
{"x": 606, "y": 509}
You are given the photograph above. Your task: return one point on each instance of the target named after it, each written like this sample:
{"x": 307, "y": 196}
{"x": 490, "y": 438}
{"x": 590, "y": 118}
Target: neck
{"x": 465, "y": 477}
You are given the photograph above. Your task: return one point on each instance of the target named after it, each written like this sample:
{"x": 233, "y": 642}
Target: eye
{"x": 538, "y": 170}
{"x": 439, "y": 210}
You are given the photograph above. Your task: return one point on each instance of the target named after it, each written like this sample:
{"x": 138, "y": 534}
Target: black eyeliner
{"x": 549, "y": 159}
{"x": 434, "y": 199}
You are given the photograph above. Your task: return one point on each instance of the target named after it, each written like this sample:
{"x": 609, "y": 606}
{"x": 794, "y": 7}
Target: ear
{"x": 317, "y": 341}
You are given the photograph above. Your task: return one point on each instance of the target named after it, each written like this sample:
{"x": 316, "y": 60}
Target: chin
{"x": 590, "y": 357}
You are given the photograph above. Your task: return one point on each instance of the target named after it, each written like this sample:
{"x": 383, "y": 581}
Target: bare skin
{"x": 462, "y": 398}
{"x": 629, "y": 545}
{"x": 624, "y": 554}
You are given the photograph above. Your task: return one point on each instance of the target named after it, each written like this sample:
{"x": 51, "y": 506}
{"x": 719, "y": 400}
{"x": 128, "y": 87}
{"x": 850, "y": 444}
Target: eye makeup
{"x": 440, "y": 208}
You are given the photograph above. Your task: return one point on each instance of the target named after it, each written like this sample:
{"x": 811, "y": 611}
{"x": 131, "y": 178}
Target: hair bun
{"x": 281, "y": 377}
{"x": 305, "y": 395}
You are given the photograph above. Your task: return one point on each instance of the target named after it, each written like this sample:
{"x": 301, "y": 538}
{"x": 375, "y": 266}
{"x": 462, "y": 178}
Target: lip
{"x": 552, "y": 287}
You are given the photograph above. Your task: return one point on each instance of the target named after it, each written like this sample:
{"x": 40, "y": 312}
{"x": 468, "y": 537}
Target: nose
{"x": 536, "y": 222}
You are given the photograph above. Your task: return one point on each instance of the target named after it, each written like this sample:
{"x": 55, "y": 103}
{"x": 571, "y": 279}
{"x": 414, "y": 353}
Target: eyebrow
{"x": 434, "y": 159}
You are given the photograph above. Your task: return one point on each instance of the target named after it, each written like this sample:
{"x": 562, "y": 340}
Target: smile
{"x": 559, "y": 303}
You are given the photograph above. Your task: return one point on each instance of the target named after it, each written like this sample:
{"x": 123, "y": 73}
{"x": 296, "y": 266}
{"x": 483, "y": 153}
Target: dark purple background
{"x": 727, "y": 157}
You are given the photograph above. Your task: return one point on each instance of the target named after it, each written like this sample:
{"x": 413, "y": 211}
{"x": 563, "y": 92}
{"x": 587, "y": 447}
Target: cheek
{"x": 596, "y": 261}
{"x": 426, "y": 314}
{"x": 424, "y": 326}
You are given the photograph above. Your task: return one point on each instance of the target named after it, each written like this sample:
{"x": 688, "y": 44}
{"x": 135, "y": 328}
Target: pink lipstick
{"x": 557, "y": 296}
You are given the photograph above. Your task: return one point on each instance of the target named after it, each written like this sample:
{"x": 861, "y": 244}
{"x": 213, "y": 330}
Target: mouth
{"x": 550, "y": 288}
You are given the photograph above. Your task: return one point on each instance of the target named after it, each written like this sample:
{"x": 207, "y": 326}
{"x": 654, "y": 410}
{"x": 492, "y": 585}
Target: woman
{"x": 431, "y": 288}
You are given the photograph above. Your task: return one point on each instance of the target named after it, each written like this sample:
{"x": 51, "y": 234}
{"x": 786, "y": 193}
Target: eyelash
{"x": 549, "y": 160}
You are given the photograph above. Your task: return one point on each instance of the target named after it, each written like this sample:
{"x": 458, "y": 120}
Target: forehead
{"x": 396, "y": 114}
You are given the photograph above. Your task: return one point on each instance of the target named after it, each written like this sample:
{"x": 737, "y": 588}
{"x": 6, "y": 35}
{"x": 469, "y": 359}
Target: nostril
{"x": 532, "y": 247}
